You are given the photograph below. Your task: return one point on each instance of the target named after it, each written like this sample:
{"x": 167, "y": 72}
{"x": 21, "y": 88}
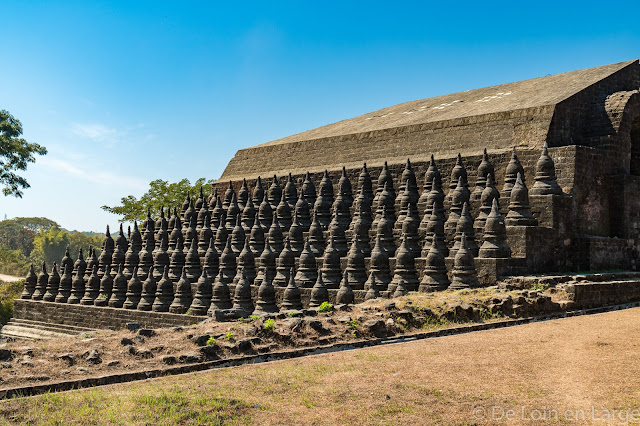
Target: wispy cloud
{"x": 95, "y": 131}
{"x": 61, "y": 165}
{"x": 110, "y": 137}
{"x": 100, "y": 177}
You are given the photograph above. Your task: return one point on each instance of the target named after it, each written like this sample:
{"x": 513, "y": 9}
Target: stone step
{"x": 29, "y": 329}
{"x": 29, "y": 333}
{"x": 71, "y": 329}
{"x": 54, "y": 328}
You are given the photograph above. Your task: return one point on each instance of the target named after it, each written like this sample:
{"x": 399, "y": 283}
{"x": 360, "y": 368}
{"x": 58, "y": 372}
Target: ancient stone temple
{"x": 456, "y": 191}
{"x": 589, "y": 119}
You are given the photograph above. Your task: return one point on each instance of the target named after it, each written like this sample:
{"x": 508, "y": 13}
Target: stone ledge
{"x": 96, "y": 317}
{"x": 591, "y": 294}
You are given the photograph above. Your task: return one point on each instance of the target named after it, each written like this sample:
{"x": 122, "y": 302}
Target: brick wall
{"x": 445, "y": 138}
{"x": 587, "y": 295}
{"x": 98, "y": 317}
{"x": 582, "y": 116}
{"x": 625, "y": 216}
{"x": 602, "y": 253}
{"x": 95, "y": 317}
{"x": 588, "y": 211}
{"x": 581, "y": 119}
{"x": 564, "y": 158}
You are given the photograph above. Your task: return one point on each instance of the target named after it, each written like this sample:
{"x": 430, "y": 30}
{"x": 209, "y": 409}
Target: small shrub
{"x": 254, "y": 317}
{"x": 435, "y": 320}
{"x": 291, "y": 314}
{"x": 211, "y": 341}
{"x": 325, "y": 307}
{"x": 230, "y": 337}
{"x": 401, "y": 321}
{"x": 354, "y": 324}
{"x": 540, "y": 286}
{"x": 13, "y": 262}
{"x": 8, "y": 292}
{"x": 188, "y": 312}
{"x": 488, "y": 314}
{"x": 269, "y": 324}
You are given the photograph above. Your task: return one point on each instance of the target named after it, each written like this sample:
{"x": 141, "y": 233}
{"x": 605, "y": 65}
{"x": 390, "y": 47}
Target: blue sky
{"x": 122, "y": 93}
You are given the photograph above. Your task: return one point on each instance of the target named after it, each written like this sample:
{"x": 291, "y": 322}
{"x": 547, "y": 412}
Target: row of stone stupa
{"x": 190, "y": 250}
{"x": 163, "y": 296}
{"x": 285, "y": 202}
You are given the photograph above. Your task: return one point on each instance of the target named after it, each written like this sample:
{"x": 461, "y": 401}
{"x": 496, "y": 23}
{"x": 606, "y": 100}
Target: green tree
{"x": 161, "y": 193}
{"x": 13, "y": 262}
{"x": 49, "y": 246}
{"x": 15, "y": 154}
{"x": 34, "y": 223}
{"x": 79, "y": 240}
{"x": 9, "y": 292}
{"x": 19, "y": 233}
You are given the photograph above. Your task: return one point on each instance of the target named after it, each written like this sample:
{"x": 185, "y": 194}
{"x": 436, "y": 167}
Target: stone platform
{"x": 95, "y": 317}
{"x": 49, "y": 319}
{"x": 589, "y": 290}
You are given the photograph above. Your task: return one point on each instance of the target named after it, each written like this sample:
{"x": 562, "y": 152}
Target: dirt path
{"x": 9, "y": 278}
{"x": 576, "y": 370}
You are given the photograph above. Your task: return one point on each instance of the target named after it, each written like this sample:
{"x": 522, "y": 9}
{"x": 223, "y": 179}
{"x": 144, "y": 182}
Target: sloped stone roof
{"x": 523, "y": 94}
{"x": 497, "y": 117}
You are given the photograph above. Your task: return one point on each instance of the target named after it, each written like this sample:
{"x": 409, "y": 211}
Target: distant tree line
{"x": 26, "y": 240}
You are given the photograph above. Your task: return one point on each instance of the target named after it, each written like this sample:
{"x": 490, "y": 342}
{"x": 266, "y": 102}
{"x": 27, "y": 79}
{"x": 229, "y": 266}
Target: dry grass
{"x": 569, "y": 364}
{"x": 439, "y": 301}
{"x": 44, "y": 364}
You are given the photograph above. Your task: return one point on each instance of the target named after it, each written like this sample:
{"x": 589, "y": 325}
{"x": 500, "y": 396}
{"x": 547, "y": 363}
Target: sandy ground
{"x": 9, "y": 278}
{"x": 580, "y": 370}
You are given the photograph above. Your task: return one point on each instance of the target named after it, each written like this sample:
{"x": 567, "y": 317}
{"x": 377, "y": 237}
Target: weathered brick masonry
{"x": 575, "y": 108}
{"x": 590, "y": 119}
{"x": 94, "y": 317}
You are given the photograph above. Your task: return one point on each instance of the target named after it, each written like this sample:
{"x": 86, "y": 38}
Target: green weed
{"x": 540, "y": 286}
{"x": 325, "y": 307}
{"x": 269, "y": 324}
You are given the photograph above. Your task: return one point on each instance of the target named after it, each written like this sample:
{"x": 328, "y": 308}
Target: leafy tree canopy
{"x": 15, "y": 154}
{"x": 31, "y": 223}
{"x": 161, "y": 193}
{"x": 18, "y": 233}
{"x": 50, "y": 245}
{"x": 38, "y": 239}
